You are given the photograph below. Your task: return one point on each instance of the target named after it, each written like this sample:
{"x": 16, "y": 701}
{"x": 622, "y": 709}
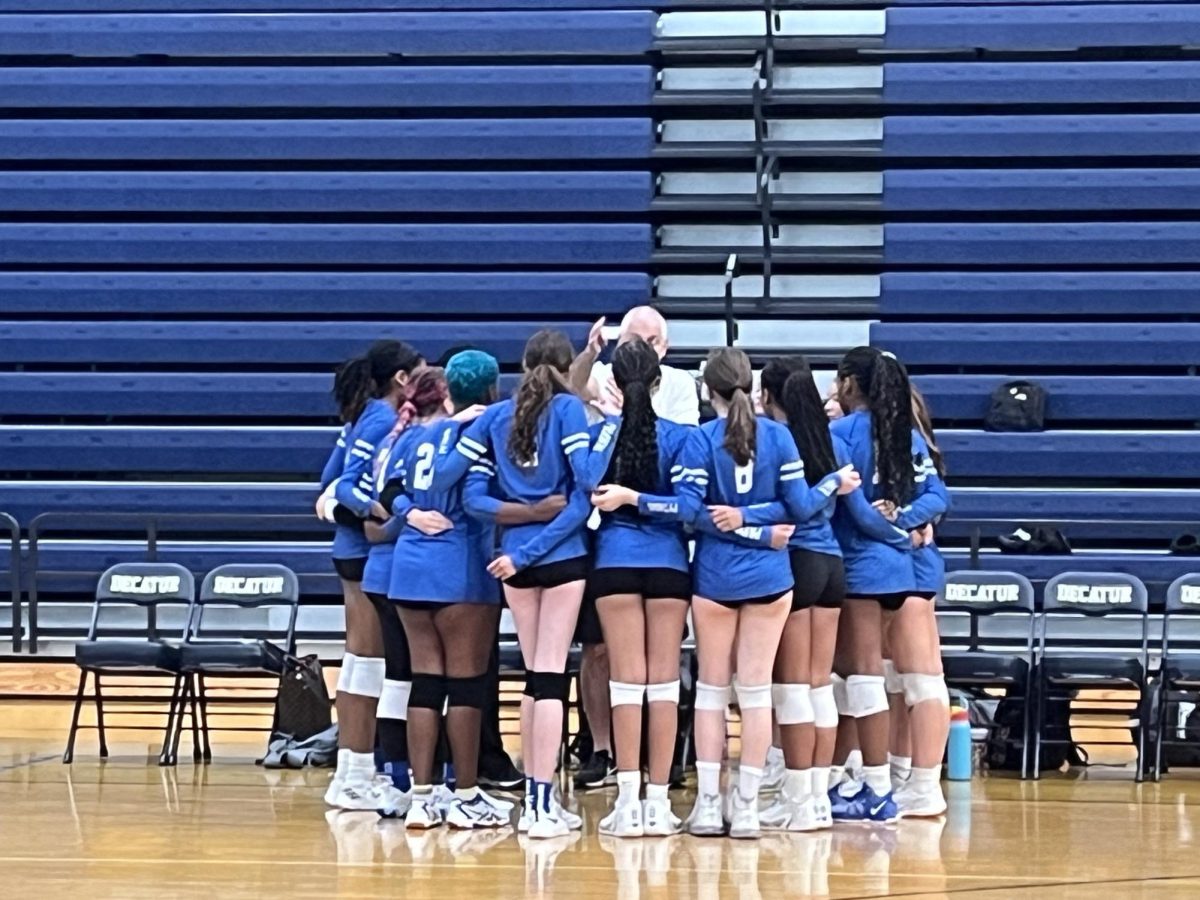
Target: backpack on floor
{"x": 1004, "y": 740}
{"x": 1017, "y": 406}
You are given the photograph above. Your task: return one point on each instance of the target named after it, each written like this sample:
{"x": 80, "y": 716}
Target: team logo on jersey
{"x": 1095, "y": 594}
{"x": 983, "y": 593}
{"x": 238, "y": 586}
{"x": 144, "y": 584}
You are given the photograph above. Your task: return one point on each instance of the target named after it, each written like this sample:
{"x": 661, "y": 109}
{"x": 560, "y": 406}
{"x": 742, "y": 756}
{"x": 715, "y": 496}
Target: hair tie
{"x": 888, "y": 353}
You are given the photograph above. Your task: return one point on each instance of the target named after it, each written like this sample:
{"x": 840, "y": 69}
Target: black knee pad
{"x": 551, "y": 686}
{"x": 530, "y": 678}
{"x": 470, "y": 692}
{"x": 428, "y": 692}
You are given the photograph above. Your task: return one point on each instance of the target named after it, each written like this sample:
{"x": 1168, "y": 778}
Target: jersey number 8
{"x": 423, "y": 470}
{"x": 743, "y": 477}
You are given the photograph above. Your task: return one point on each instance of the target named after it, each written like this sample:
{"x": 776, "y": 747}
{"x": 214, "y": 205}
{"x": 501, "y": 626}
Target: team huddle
{"x": 808, "y": 585}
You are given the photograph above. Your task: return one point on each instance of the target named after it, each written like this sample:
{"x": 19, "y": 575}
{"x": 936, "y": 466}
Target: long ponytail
{"x": 883, "y": 383}
{"x": 636, "y": 369}
{"x": 789, "y": 382}
{"x": 547, "y": 359}
{"x": 371, "y": 375}
{"x": 728, "y": 375}
{"x": 924, "y": 423}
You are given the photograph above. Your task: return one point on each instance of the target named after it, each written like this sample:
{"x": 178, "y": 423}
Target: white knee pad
{"x": 866, "y": 695}
{"x": 710, "y": 696}
{"x": 793, "y": 703}
{"x": 921, "y": 688}
{"x": 346, "y": 673}
{"x": 366, "y": 680}
{"x": 754, "y": 696}
{"x": 840, "y": 699}
{"x": 666, "y": 692}
{"x": 621, "y": 694}
{"x": 893, "y": 681}
{"x": 393, "y": 700}
{"x": 825, "y": 711}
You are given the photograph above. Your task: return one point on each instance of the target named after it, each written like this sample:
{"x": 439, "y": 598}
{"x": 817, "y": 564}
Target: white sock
{"x": 422, "y": 791}
{"x": 854, "y": 762}
{"x": 801, "y": 780}
{"x": 467, "y": 794}
{"x": 901, "y": 766}
{"x": 926, "y": 778}
{"x": 361, "y": 766}
{"x": 749, "y": 781}
{"x": 708, "y": 777}
{"x": 657, "y": 791}
{"x": 774, "y": 755}
{"x": 343, "y": 763}
{"x": 629, "y": 785}
{"x": 879, "y": 779}
{"x": 837, "y": 774}
{"x": 820, "y": 781}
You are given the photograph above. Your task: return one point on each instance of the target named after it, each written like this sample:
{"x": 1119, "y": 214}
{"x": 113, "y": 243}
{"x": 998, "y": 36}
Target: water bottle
{"x": 959, "y": 752}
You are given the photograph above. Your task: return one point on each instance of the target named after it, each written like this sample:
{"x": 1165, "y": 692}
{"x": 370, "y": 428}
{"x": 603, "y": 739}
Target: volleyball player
{"x": 879, "y": 437}
{"x": 803, "y": 693}
{"x": 742, "y": 595}
{"x": 539, "y": 443}
{"x": 368, "y": 391}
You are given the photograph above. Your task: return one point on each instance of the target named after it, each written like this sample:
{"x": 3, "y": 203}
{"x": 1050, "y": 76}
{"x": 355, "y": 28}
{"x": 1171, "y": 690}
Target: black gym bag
{"x": 1017, "y": 406}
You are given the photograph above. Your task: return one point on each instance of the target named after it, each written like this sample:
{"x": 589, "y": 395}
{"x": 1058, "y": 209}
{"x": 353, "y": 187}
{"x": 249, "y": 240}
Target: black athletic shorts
{"x": 893, "y": 602}
{"x": 750, "y": 601}
{"x": 587, "y": 626}
{"x": 351, "y": 569}
{"x": 650, "y": 583}
{"x": 551, "y": 574}
{"x": 820, "y": 580}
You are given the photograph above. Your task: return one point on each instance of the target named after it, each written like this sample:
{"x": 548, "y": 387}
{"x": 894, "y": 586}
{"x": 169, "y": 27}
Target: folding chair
{"x": 1071, "y": 662}
{"x": 242, "y": 626}
{"x": 136, "y": 605}
{"x": 1002, "y": 658}
{"x": 1179, "y": 669}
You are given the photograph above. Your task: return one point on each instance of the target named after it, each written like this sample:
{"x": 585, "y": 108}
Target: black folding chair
{"x": 997, "y": 650}
{"x": 1179, "y": 669}
{"x": 1119, "y": 658}
{"x": 242, "y": 626}
{"x": 139, "y": 620}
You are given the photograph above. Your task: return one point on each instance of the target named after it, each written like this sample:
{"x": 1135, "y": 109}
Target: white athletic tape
{"x": 622, "y": 694}
{"x": 666, "y": 692}
{"x": 921, "y": 688}
{"x": 368, "y": 676}
{"x": 866, "y": 695}
{"x": 825, "y": 711}
{"x": 893, "y": 681}
{"x": 793, "y": 703}
{"x": 754, "y": 696}
{"x": 346, "y": 673}
{"x": 711, "y": 696}
{"x": 393, "y": 701}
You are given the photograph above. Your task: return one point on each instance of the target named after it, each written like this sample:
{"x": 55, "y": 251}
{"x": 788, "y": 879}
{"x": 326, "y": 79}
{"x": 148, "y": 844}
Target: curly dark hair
{"x": 547, "y": 359}
{"x": 788, "y": 380}
{"x": 636, "y": 369}
{"x": 883, "y": 383}
{"x": 729, "y": 376}
{"x": 370, "y": 375}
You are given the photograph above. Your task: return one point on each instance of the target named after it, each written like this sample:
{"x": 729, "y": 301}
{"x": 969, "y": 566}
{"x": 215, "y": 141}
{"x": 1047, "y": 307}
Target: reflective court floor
{"x": 125, "y": 828}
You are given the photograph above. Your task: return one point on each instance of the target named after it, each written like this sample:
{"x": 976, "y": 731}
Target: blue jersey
{"x": 562, "y": 465}
{"x": 644, "y": 538}
{"x": 879, "y": 555}
{"x": 727, "y": 569}
{"x": 934, "y": 502}
{"x": 377, "y": 574}
{"x": 355, "y": 482}
{"x": 450, "y": 567}
{"x": 337, "y": 459}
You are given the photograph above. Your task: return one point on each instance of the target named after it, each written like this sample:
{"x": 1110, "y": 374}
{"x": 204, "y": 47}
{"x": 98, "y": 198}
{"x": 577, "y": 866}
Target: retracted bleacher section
{"x": 206, "y": 204}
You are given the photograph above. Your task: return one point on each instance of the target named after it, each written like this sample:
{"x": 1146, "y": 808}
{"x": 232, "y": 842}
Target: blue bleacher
{"x": 1046, "y": 345}
{"x": 302, "y": 293}
{"x": 252, "y": 343}
{"x": 959, "y": 190}
{"x": 326, "y": 139}
{"x": 315, "y": 87}
{"x": 1100, "y": 455}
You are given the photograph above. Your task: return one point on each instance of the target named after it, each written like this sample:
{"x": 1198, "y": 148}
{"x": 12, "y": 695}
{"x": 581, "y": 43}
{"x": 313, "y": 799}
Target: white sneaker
{"x": 743, "y": 823}
{"x": 774, "y": 772}
{"x": 822, "y": 813}
{"x": 524, "y": 821}
{"x": 572, "y": 821}
{"x": 920, "y": 802}
{"x": 548, "y": 825}
{"x": 396, "y": 801}
{"x": 475, "y": 813}
{"x": 706, "y": 819}
{"x": 625, "y": 820}
{"x": 443, "y": 798}
{"x": 335, "y": 787}
{"x": 659, "y": 820}
{"x": 775, "y": 816}
{"x": 505, "y": 806}
{"x": 423, "y": 814}
{"x": 383, "y": 799}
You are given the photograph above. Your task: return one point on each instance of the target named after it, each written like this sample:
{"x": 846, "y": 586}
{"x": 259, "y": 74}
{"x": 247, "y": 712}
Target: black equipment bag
{"x": 1017, "y": 406}
{"x": 1004, "y": 740}
{"x": 303, "y": 707}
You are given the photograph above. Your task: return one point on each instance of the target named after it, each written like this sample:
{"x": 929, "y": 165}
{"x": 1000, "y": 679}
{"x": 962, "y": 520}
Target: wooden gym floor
{"x": 125, "y": 828}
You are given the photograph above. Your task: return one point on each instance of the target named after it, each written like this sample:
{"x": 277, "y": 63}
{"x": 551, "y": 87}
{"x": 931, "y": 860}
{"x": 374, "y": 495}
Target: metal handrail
{"x": 151, "y": 524}
{"x": 14, "y": 575}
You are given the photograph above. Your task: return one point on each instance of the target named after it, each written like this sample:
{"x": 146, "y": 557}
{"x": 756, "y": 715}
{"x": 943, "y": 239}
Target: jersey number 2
{"x": 743, "y": 478}
{"x": 423, "y": 470}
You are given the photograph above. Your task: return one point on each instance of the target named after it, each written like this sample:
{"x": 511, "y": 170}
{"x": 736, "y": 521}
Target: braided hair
{"x": 728, "y": 375}
{"x": 370, "y": 376}
{"x": 547, "y": 359}
{"x": 882, "y": 382}
{"x": 788, "y": 381}
{"x": 636, "y": 370}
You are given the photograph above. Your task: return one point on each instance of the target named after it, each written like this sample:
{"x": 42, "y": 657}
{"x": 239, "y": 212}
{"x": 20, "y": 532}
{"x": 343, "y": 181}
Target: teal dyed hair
{"x": 470, "y": 376}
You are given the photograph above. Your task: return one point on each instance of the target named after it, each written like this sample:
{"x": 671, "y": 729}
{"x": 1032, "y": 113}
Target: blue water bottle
{"x": 958, "y": 766}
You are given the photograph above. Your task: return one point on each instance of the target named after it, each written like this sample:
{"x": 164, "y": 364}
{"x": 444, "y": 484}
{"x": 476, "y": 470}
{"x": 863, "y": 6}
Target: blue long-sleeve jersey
{"x": 337, "y": 459}
{"x": 879, "y": 555}
{"x": 450, "y": 567}
{"x": 354, "y": 484}
{"x": 729, "y": 571}
{"x": 563, "y": 465}
{"x": 377, "y": 574}
{"x": 928, "y": 564}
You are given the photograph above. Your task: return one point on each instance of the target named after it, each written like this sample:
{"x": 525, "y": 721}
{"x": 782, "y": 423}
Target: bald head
{"x": 646, "y": 323}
